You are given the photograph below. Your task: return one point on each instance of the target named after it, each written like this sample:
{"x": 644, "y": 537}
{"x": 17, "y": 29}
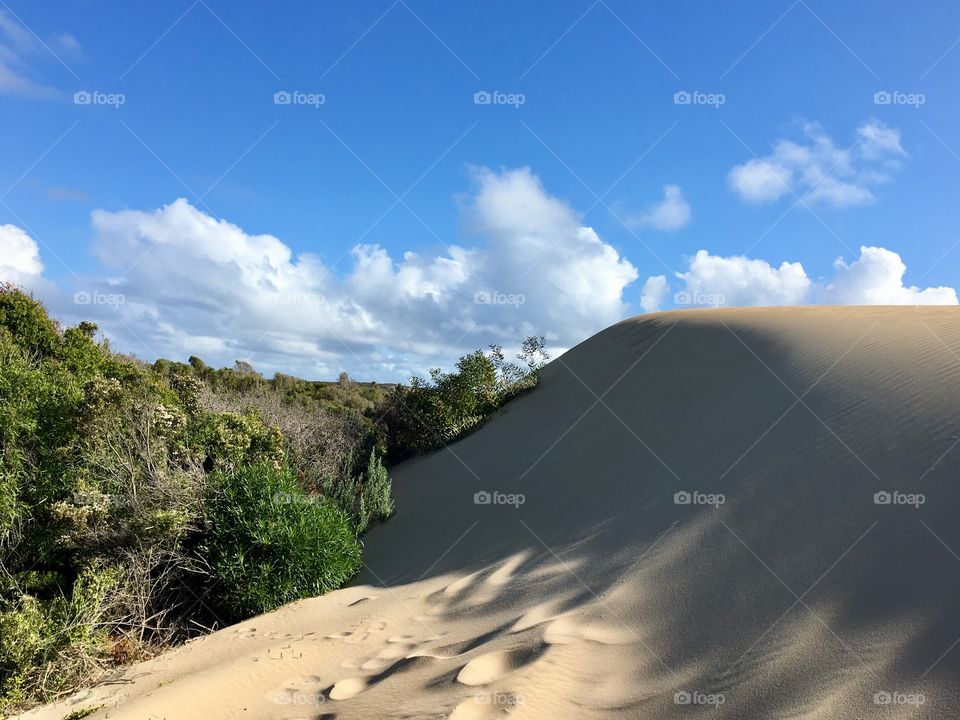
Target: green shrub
{"x": 231, "y": 440}
{"x": 26, "y": 320}
{"x": 268, "y": 543}
{"x": 47, "y": 648}
{"x": 377, "y": 491}
{"x": 367, "y": 497}
{"x": 435, "y": 412}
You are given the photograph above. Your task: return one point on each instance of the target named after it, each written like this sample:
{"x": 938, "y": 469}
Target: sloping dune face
{"x": 743, "y": 513}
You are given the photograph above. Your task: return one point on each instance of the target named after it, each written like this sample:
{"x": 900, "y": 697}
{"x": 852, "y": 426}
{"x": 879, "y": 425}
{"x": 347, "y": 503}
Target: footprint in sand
{"x": 348, "y": 688}
{"x": 567, "y": 629}
{"x": 485, "y": 669}
{"x": 387, "y": 657}
{"x": 475, "y": 589}
{"x": 360, "y": 632}
{"x": 245, "y": 633}
{"x": 353, "y": 686}
{"x": 487, "y": 706}
{"x": 455, "y": 649}
{"x": 457, "y": 587}
{"x": 397, "y": 647}
{"x": 538, "y": 615}
{"x": 305, "y": 690}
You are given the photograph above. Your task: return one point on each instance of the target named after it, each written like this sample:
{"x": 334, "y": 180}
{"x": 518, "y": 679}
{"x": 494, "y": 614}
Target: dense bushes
{"x": 130, "y": 490}
{"x": 321, "y": 445}
{"x": 269, "y": 543}
{"x": 433, "y": 412}
{"x": 117, "y": 484}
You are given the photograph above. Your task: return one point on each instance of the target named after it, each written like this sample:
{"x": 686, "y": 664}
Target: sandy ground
{"x": 776, "y": 584}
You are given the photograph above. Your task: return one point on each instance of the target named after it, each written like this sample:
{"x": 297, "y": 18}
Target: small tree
{"x": 534, "y": 353}
{"x": 377, "y": 490}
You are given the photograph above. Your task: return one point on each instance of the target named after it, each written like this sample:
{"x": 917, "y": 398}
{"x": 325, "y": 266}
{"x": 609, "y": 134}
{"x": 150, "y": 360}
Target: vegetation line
{"x": 139, "y": 502}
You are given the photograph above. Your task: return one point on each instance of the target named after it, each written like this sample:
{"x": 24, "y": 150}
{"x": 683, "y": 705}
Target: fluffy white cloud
{"x": 760, "y": 180}
{"x": 815, "y": 169}
{"x": 877, "y": 141}
{"x": 176, "y": 281}
{"x": 19, "y": 256}
{"x": 535, "y": 246}
{"x": 190, "y": 283}
{"x": 654, "y": 292}
{"x": 874, "y": 278}
{"x": 739, "y": 280}
{"x": 671, "y": 213}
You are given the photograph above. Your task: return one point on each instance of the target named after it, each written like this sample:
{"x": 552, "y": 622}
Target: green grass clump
{"x": 86, "y": 712}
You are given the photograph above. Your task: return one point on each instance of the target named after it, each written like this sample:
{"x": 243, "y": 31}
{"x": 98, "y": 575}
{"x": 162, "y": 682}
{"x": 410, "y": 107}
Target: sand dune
{"x": 700, "y": 535}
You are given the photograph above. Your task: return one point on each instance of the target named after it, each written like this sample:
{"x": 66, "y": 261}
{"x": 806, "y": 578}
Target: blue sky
{"x": 783, "y": 155}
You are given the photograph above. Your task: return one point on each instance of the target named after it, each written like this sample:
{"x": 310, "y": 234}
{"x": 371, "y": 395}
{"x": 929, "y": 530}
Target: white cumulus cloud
{"x": 175, "y": 281}
{"x": 739, "y": 280}
{"x": 816, "y": 170}
{"x": 671, "y": 213}
{"x": 760, "y": 180}
{"x": 877, "y": 140}
{"x": 874, "y": 278}
{"x": 19, "y": 256}
{"x": 655, "y": 291}
{"x": 195, "y": 284}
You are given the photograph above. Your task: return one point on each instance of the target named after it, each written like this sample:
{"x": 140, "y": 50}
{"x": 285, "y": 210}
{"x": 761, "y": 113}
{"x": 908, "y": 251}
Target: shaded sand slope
{"x": 601, "y": 596}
